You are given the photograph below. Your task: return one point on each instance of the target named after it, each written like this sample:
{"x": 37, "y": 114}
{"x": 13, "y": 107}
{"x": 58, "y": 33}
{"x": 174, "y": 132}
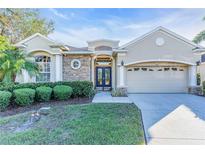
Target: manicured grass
{"x": 78, "y": 124}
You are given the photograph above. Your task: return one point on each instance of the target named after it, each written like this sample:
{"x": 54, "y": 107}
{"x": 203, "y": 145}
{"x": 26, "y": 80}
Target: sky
{"x": 76, "y": 26}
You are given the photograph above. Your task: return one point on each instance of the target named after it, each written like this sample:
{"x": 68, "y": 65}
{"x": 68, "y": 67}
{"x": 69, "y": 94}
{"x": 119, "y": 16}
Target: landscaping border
{"x": 68, "y": 89}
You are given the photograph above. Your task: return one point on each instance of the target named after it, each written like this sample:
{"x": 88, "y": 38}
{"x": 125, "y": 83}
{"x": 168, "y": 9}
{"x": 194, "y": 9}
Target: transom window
{"x": 44, "y": 64}
{"x": 144, "y": 68}
{"x": 166, "y": 69}
{"x": 174, "y": 68}
{"x": 136, "y": 69}
{"x": 151, "y": 69}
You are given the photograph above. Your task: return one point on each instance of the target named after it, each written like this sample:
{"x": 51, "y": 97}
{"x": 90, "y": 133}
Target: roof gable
{"x": 34, "y": 36}
{"x": 165, "y": 31}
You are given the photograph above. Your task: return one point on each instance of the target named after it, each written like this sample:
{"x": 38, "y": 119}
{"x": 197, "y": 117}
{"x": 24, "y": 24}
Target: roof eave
{"x": 78, "y": 52}
{"x": 162, "y": 29}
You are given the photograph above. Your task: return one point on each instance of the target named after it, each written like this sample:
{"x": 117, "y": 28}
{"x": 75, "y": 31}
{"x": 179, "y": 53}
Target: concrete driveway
{"x": 172, "y": 118}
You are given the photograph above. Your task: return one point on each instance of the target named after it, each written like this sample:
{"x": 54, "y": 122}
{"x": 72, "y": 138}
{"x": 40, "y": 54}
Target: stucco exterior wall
{"x": 83, "y": 73}
{"x": 147, "y": 49}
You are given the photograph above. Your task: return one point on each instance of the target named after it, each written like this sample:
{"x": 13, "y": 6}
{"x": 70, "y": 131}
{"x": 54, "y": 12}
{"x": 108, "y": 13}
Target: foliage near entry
{"x": 24, "y": 96}
{"x": 62, "y": 92}
{"x": 4, "y": 99}
{"x": 43, "y": 93}
{"x": 80, "y": 88}
{"x": 203, "y": 86}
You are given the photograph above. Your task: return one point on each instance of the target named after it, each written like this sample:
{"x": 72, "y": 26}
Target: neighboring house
{"x": 158, "y": 62}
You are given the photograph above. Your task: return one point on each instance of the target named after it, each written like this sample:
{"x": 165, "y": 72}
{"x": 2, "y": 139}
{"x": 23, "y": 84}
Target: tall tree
{"x": 18, "y": 24}
{"x": 200, "y": 36}
{"x": 13, "y": 61}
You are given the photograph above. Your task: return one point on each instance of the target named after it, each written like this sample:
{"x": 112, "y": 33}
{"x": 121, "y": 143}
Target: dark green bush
{"x": 43, "y": 93}
{"x": 5, "y": 97}
{"x": 203, "y": 85}
{"x": 24, "y": 96}
{"x": 80, "y": 88}
{"x": 62, "y": 92}
{"x": 198, "y": 77}
{"x": 7, "y": 87}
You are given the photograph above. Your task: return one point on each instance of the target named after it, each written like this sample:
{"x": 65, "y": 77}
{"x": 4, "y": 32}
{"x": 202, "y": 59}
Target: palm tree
{"x": 13, "y": 62}
{"x": 200, "y": 37}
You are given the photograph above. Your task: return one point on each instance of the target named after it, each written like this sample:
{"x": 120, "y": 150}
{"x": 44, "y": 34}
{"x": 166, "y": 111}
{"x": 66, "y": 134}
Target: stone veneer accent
{"x": 83, "y": 73}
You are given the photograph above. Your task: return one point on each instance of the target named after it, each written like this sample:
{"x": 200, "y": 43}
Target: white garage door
{"x": 157, "y": 79}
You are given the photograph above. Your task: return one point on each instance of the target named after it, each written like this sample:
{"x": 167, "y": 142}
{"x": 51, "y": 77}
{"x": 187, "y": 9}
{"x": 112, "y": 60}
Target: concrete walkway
{"x": 105, "y": 97}
{"x": 172, "y": 118}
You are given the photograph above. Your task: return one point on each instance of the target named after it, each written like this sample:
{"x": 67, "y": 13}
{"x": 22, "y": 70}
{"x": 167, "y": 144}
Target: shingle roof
{"x": 72, "y": 48}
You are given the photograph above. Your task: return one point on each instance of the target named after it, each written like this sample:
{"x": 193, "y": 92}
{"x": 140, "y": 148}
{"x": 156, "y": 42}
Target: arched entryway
{"x": 103, "y": 72}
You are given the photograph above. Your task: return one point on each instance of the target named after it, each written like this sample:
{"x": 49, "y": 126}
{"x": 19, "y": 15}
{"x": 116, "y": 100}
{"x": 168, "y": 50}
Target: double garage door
{"x": 157, "y": 79}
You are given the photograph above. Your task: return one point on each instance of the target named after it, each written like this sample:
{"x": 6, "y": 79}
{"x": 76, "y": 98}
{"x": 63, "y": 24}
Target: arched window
{"x": 44, "y": 63}
{"x": 103, "y": 48}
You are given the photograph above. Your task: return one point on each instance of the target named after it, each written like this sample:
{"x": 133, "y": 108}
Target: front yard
{"x": 77, "y": 124}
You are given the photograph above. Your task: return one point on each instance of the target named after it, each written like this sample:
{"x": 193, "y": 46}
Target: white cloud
{"x": 185, "y": 22}
{"x": 64, "y": 16}
{"x": 78, "y": 37}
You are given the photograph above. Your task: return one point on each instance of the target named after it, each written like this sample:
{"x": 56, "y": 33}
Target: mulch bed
{"x": 12, "y": 110}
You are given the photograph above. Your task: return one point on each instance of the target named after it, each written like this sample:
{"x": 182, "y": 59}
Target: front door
{"x": 103, "y": 77}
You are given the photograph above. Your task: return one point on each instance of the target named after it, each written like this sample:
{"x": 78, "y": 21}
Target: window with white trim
{"x": 75, "y": 64}
{"x": 44, "y": 64}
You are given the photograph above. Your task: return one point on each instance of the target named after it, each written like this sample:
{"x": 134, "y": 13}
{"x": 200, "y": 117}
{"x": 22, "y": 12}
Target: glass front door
{"x": 103, "y": 76}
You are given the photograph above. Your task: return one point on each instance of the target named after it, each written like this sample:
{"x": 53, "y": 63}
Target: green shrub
{"x": 119, "y": 92}
{"x": 198, "y": 77}
{"x": 62, "y": 92}
{"x": 4, "y": 99}
{"x": 24, "y": 96}
{"x": 34, "y": 85}
{"x": 7, "y": 87}
{"x": 43, "y": 93}
{"x": 80, "y": 88}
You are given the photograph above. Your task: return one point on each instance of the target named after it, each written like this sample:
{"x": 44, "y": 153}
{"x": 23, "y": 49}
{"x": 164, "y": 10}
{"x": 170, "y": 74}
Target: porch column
{"x": 58, "y": 68}
{"x": 93, "y": 70}
{"x": 113, "y": 73}
{"x": 122, "y": 80}
{"x": 25, "y": 76}
{"x": 192, "y": 76}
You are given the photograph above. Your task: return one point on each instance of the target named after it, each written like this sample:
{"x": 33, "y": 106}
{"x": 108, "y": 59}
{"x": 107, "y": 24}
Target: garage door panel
{"x": 171, "y": 81}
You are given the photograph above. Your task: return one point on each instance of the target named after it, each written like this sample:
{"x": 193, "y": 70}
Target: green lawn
{"x": 78, "y": 124}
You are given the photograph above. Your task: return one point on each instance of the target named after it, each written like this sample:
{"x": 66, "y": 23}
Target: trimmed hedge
{"x": 24, "y": 96}
{"x": 5, "y": 97}
{"x": 203, "y": 87}
{"x": 62, "y": 92}
{"x": 43, "y": 93}
{"x": 24, "y": 93}
{"x": 80, "y": 88}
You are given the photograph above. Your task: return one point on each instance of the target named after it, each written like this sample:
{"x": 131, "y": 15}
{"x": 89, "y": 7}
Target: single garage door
{"x": 157, "y": 79}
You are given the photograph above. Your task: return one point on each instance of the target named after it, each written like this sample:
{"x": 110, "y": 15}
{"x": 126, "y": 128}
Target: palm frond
{"x": 199, "y": 37}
